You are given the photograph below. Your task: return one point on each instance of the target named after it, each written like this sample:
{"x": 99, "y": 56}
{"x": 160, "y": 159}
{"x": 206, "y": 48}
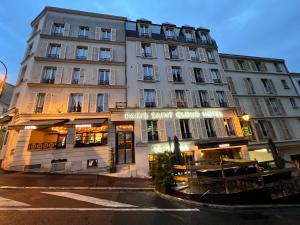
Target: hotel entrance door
{"x": 125, "y": 151}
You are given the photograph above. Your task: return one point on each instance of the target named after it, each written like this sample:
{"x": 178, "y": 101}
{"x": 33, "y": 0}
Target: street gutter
{"x": 78, "y": 188}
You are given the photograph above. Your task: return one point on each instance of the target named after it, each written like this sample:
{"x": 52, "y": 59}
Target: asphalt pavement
{"x": 82, "y": 207}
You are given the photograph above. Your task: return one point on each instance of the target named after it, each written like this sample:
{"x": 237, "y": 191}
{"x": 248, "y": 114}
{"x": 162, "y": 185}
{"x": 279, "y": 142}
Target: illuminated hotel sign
{"x": 172, "y": 115}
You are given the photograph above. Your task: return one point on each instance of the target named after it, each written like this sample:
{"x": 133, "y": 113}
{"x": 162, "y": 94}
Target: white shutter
{"x": 172, "y": 98}
{"x": 82, "y": 76}
{"x": 48, "y": 27}
{"x": 220, "y": 127}
{"x": 154, "y": 50}
{"x": 92, "y": 102}
{"x": 180, "y": 50}
{"x": 138, "y": 48}
{"x": 72, "y": 51}
{"x": 192, "y": 75}
{"x": 112, "y": 54}
{"x": 207, "y": 75}
{"x": 63, "y": 48}
{"x": 166, "y": 51}
{"x": 194, "y": 125}
{"x": 112, "y": 77}
{"x": 229, "y": 99}
{"x": 141, "y": 98}
{"x": 212, "y": 99}
{"x": 47, "y": 103}
{"x": 222, "y": 75}
{"x": 97, "y": 33}
{"x": 197, "y": 98}
{"x": 59, "y": 75}
{"x": 158, "y": 98}
{"x": 105, "y": 102}
{"x": 139, "y": 71}
{"x": 169, "y": 73}
{"x": 177, "y": 129}
{"x": 85, "y": 103}
{"x": 202, "y": 129}
{"x": 156, "y": 73}
{"x": 188, "y": 55}
{"x": 67, "y": 29}
{"x": 144, "y": 137}
{"x": 202, "y": 54}
{"x": 90, "y": 53}
{"x": 162, "y": 133}
{"x": 189, "y": 98}
{"x": 96, "y": 51}
{"x": 113, "y": 34}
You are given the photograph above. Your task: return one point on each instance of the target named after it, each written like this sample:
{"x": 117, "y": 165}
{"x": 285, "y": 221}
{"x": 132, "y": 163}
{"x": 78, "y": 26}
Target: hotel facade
{"x": 97, "y": 90}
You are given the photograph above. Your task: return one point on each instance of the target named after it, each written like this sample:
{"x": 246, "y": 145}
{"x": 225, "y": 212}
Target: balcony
{"x": 81, "y": 57}
{"x": 48, "y": 81}
{"x": 99, "y": 108}
{"x": 223, "y": 104}
{"x": 83, "y": 36}
{"x": 103, "y": 82}
{"x": 46, "y": 146}
{"x": 186, "y": 135}
{"x": 181, "y": 104}
{"x": 199, "y": 80}
{"x": 190, "y": 40}
{"x": 147, "y": 54}
{"x": 104, "y": 58}
{"x": 38, "y": 110}
{"x": 177, "y": 79}
{"x": 150, "y": 104}
{"x": 205, "y": 104}
{"x": 75, "y": 109}
{"x": 75, "y": 81}
{"x": 217, "y": 81}
{"x": 148, "y": 78}
{"x": 173, "y": 56}
{"x": 53, "y": 55}
{"x": 105, "y": 38}
{"x": 57, "y": 33}
{"x": 170, "y": 37}
{"x": 145, "y": 35}
{"x": 121, "y": 105}
{"x": 196, "y": 58}
{"x": 211, "y": 133}
{"x": 153, "y": 137}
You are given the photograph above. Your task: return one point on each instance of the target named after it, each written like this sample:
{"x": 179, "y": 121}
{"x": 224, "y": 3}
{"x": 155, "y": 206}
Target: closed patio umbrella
{"x": 178, "y": 158}
{"x": 277, "y": 159}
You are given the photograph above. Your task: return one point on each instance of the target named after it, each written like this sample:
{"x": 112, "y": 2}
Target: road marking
{"x": 11, "y": 203}
{"x": 84, "y": 198}
{"x": 103, "y": 209}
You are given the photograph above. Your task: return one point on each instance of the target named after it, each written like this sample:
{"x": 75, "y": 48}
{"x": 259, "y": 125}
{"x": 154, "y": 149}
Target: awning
{"x": 38, "y": 123}
{"x": 91, "y": 121}
{"x": 219, "y": 142}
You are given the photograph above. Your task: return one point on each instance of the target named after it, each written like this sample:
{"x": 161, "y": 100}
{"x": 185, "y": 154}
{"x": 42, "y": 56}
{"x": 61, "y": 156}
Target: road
{"x": 82, "y": 207}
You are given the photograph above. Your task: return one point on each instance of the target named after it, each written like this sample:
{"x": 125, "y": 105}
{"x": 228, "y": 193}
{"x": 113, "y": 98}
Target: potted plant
{"x": 112, "y": 166}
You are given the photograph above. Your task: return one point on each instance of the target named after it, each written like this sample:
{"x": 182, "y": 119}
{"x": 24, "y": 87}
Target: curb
{"x": 228, "y": 207}
{"x": 77, "y": 188}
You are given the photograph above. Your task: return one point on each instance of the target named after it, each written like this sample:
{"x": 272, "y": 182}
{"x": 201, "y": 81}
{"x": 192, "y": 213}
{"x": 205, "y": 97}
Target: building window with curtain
{"x": 169, "y": 33}
{"x": 103, "y": 78}
{"x": 215, "y": 76}
{"x": 210, "y": 56}
{"x": 149, "y": 96}
{"x": 222, "y": 99}
{"x": 188, "y": 36}
{"x": 176, "y": 73}
{"x": 83, "y": 32}
{"x": 229, "y": 127}
{"x": 58, "y": 29}
{"x": 193, "y": 54}
{"x": 146, "y": 50}
{"x": 148, "y": 72}
{"x": 152, "y": 130}
{"x": 203, "y": 96}
{"x": 40, "y": 99}
{"x": 180, "y": 98}
{"x": 268, "y": 86}
{"x": 76, "y": 76}
{"x": 75, "y": 103}
{"x": 173, "y": 52}
{"x": 54, "y": 51}
{"x": 144, "y": 30}
{"x": 106, "y": 34}
{"x": 105, "y": 54}
{"x": 210, "y": 130}
{"x": 100, "y": 103}
{"x": 198, "y": 73}
{"x": 185, "y": 130}
{"x": 49, "y": 75}
{"x": 81, "y": 53}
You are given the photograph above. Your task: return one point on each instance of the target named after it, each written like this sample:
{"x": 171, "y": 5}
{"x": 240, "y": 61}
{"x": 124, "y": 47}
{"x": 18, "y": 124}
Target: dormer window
{"x": 83, "y": 32}
{"x": 210, "y": 56}
{"x": 106, "y": 34}
{"x": 144, "y": 30}
{"x": 189, "y": 36}
{"x": 169, "y": 33}
{"x": 204, "y": 37}
{"x": 58, "y": 29}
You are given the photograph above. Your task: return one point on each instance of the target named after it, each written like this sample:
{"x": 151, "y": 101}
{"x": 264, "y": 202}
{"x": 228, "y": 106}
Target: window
{"x": 274, "y": 106}
{"x": 54, "y": 50}
{"x": 152, "y": 132}
{"x": 263, "y": 128}
{"x": 144, "y": 30}
{"x": 106, "y": 34}
{"x": 185, "y": 130}
{"x": 93, "y": 136}
{"x": 216, "y": 76}
{"x": 242, "y": 64}
{"x": 173, "y": 52}
{"x": 148, "y": 72}
{"x": 203, "y": 96}
{"x": 210, "y": 56}
{"x": 284, "y": 84}
{"x": 92, "y": 163}
{"x": 23, "y": 72}
{"x": 198, "y": 75}
{"x": 260, "y": 66}
{"x": 170, "y": 33}
{"x": 204, "y": 38}
{"x": 149, "y": 96}
{"x": 103, "y": 78}
{"x": 146, "y": 50}
{"x": 293, "y": 103}
{"x": 100, "y": 103}
{"x": 76, "y": 76}
{"x": 40, "y": 98}
{"x": 105, "y": 54}
{"x": 189, "y": 36}
{"x": 249, "y": 85}
{"x": 75, "y": 103}
{"x": 229, "y": 127}
{"x": 209, "y": 128}
{"x": 222, "y": 99}
{"x": 81, "y": 53}
{"x": 268, "y": 86}
{"x": 176, "y": 73}
{"x": 193, "y": 54}
{"x": 83, "y": 32}
{"x": 28, "y": 52}
{"x": 49, "y": 75}
{"x": 58, "y": 29}
{"x": 277, "y": 67}
{"x": 180, "y": 99}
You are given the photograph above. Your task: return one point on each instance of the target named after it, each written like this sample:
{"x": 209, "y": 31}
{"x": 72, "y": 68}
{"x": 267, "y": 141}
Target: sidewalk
{"x": 19, "y": 179}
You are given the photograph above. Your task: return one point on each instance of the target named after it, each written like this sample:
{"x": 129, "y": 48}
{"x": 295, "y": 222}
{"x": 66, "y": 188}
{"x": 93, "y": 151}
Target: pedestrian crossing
{"x": 5, "y": 202}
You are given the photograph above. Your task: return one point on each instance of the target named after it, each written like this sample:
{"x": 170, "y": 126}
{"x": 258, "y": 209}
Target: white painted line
{"x": 11, "y": 203}
{"x": 84, "y": 198}
{"x": 103, "y": 209}
{"x": 79, "y": 188}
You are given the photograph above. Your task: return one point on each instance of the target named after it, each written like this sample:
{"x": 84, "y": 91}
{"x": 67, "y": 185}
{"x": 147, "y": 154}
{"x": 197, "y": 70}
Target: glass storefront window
{"x": 91, "y": 136}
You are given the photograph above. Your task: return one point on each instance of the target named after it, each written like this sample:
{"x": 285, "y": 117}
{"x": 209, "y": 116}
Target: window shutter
{"x": 96, "y": 54}
{"x": 95, "y": 74}
{"x": 222, "y": 76}
{"x": 169, "y": 73}
{"x": 112, "y": 77}
{"x": 138, "y": 48}
{"x": 268, "y": 104}
{"x": 47, "y": 103}
{"x": 177, "y": 129}
{"x": 142, "y": 101}
{"x": 139, "y": 70}
{"x": 32, "y": 98}
{"x": 158, "y": 99}
{"x": 192, "y": 75}
{"x": 217, "y": 104}
{"x": 203, "y": 129}
{"x": 259, "y": 134}
{"x": 263, "y": 67}
{"x": 162, "y": 133}
{"x": 97, "y": 33}
{"x": 42, "y": 49}
{"x": 63, "y": 51}
{"x": 112, "y": 55}
{"x": 166, "y": 51}
{"x": 238, "y": 107}
{"x": 144, "y": 137}
{"x": 85, "y": 103}
{"x": 236, "y": 64}
{"x": 90, "y": 53}
{"x": 81, "y": 78}
{"x": 197, "y": 98}
{"x": 247, "y": 66}
{"x": 172, "y": 98}
{"x": 229, "y": 99}
{"x": 67, "y": 78}
{"x": 207, "y": 75}
{"x": 181, "y": 54}
{"x": 48, "y": 27}
{"x": 220, "y": 129}
{"x": 253, "y": 66}
{"x": 92, "y": 105}
{"x": 188, "y": 55}
{"x": 113, "y": 34}
{"x": 284, "y": 129}
{"x": 257, "y": 107}
{"x": 71, "y": 53}
{"x": 156, "y": 73}
{"x": 59, "y": 75}
{"x": 212, "y": 100}
{"x": 281, "y": 108}
{"x": 231, "y": 85}
{"x": 189, "y": 98}
{"x": 67, "y": 29}
{"x": 194, "y": 123}
{"x": 273, "y": 87}
{"x": 270, "y": 130}
{"x": 154, "y": 50}
{"x": 224, "y": 64}
{"x": 106, "y": 102}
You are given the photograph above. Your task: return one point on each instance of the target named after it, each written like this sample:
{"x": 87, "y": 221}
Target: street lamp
{"x": 246, "y": 127}
{"x": 3, "y": 78}
{"x": 246, "y": 117}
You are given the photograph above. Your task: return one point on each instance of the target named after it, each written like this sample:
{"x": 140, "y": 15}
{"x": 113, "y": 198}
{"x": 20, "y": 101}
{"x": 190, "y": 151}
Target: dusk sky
{"x": 266, "y": 28}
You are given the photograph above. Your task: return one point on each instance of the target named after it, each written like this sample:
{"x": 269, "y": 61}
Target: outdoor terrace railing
{"x": 45, "y": 146}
